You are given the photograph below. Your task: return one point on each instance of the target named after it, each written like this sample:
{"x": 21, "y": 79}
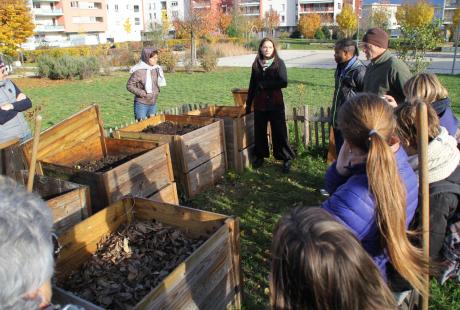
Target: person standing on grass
{"x": 373, "y": 189}
{"x": 317, "y": 263}
{"x": 268, "y": 77}
{"x": 146, "y": 79}
{"x": 386, "y": 74}
{"x": 349, "y": 79}
{"x": 12, "y": 103}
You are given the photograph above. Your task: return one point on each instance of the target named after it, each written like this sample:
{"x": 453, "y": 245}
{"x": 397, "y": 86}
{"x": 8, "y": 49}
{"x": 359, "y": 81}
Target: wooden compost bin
{"x": 81, "y": 138}
{"x": 11, "y": 159}
{"x": 239, "y": 133}
{"x": 209, "y": 278}
{"x": 240, "y": 95}
{"x": 199, "y": 157}
{"x": 69, "y": 202}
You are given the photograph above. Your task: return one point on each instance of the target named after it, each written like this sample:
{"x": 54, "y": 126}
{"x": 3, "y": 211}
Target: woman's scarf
{"x": 143, "y": 65}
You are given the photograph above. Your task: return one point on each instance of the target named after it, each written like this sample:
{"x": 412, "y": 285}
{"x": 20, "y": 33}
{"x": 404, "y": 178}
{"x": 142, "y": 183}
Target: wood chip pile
{"x": 170, "y": 128}
{"x": 130, "y": 263}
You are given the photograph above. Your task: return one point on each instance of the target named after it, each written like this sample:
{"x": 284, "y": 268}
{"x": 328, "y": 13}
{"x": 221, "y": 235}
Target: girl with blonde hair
{"x": 428, "y": 88}
{"x": 374, "y": 189}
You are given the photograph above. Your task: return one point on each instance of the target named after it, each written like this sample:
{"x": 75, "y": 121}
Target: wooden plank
{"x": 244, "y": 158}
{"x": 205, "y": 175}
{"x": 296, "y": 130}
{"x": 246, "y": 131}
{"x": 9, "y": 143}
{"x": 194, "y": 223}
{"x": 66, "y": 134}
{"x": 200, "y": 145}
{"x": 90, "y": 150}
{"x": 233, "y": 225}
{"x": 316, "y": 134}
{"x": 167, "y": 194}
{"x": 62, "y": 297}
{"x": 128, "y": 146}
{"x": 80, "y": 242}
{"x": 240, "y": 95}
{"x": 306, "y": 127}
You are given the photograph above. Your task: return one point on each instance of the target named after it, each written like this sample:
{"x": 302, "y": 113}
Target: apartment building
{"x": 67, "y": 23}
{"x": 327, "y": 9}
{"x": 449, "y": 7}
{"x": 157, "y": 11}
{"x": 125, "y": 20}
{"x": 390, "y": 9}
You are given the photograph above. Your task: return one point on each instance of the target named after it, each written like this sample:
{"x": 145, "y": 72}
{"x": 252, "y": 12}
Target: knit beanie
{"x": 377, "y": 37}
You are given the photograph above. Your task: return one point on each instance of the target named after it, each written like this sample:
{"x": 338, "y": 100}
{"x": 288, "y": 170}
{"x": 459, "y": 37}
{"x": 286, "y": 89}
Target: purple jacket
{"x": 446, "y": 116}
{"x": 352, "y": 204}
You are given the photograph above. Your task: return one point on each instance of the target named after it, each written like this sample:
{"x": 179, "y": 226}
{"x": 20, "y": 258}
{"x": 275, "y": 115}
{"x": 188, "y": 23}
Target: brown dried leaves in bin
{"x": 104, "y": 164}
{"x": 171, "y": 128}
{"x": 130, "y": 263}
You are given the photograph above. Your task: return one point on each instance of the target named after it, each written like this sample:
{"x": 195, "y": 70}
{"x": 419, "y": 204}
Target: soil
{"x": 104, "y": 164}
{"x": 170, "y": 128}
{"x": 130, "y": 263}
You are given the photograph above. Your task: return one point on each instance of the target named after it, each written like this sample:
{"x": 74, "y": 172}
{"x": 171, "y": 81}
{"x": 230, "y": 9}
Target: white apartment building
{"x": 327, "y": 9}
{"x": 287, "y": 10}
{"x": 448, "y": 11}
{"x": 156, "y": 11}
{"x": 125, "y": 20}
{"x": 388, "y": 8}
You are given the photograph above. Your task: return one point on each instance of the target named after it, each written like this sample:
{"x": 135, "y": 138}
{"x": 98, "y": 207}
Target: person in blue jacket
{"x": 428, "y": 88}
{"x": 12, "y": 103}
{"x": 374, "y": 189}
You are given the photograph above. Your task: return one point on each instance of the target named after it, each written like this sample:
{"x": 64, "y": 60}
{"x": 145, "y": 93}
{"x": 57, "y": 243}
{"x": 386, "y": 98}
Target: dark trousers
{"x": 338, "y": 140}
{"x": 281, "y": 148}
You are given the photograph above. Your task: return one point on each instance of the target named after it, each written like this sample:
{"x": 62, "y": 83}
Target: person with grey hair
{"x": 26, "y": 248}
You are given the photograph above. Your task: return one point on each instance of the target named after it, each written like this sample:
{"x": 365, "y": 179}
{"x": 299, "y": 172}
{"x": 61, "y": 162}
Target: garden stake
{"x": 30, "y": 181}
{"x": 422, "y": 141}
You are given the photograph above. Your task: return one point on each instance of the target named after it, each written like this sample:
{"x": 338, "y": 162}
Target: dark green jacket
{"x": 347, "y": 84}
{"x": 387, "y": 76}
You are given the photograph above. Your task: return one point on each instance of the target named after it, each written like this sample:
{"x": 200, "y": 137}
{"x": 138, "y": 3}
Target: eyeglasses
{"x": 56, "y": 245}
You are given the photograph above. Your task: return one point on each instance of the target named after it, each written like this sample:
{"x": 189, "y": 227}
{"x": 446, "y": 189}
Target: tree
{"x": 165, "y": 24}
{"x": 224, "y": 22}
{"x": 272, "y": 21}
{"x": 347, "y": 21}
{"x": 416, "y": 14}
{"x": 308, "y": 24}
{"x": 380, "y": 18}
{"x": 127, "y": 25}
{"x": 419, "y": 34}
{"x": 16, "y": 25}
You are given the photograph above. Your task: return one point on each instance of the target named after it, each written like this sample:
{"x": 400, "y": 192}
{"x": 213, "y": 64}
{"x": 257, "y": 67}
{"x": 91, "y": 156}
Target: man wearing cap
{"x": 386, "y": 74}
{"x": 12, "y": 102}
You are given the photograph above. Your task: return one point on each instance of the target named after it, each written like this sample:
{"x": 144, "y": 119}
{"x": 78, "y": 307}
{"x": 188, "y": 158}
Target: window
{"x": 137, "y": 21}
{"x": 107, "y": 7}
{"x": 155, "y": 15}
{"x": 174, "y": 3}
{"x": 116, "y": 7}
{"x": 136, "y": 8}
{"x": 150, "y": 16}
{"x": 74, "y": 4}
{"x": 36, "y": 5}
{"x": 282, "y": 18}
{"x": 99, "y": 19}
{"x": 339, "y": 6}
{"x": 175, "y": 13}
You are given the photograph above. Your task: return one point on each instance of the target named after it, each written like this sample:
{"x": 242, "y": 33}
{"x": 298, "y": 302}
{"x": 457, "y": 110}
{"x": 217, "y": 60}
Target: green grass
{"x": 258, "y": 197}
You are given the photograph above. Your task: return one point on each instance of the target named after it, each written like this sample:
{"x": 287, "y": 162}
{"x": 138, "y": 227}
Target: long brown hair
{"x": 368, "y": 122}
{"x": 319, "y": 264}
{"x": 275, "y": 52}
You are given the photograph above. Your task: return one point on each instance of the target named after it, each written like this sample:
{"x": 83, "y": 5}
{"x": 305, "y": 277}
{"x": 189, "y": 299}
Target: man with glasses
{"x": 386, "y": 74}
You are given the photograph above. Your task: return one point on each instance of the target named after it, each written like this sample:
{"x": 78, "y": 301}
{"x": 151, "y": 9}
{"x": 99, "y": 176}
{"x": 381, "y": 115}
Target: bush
{"x": 326, "y": 32}
{"x": 167, "y": 59}
{"x": 319, "y": 35}
{"x": 209, "y": 60}
{"x": 295, "y": 35}
{"x": 67, "y": 67}
{"x": 252, "y": 45}
{"x": 284, "y": 35}
{"x": 123, "y": 57}
{"x": 202, "y": 50}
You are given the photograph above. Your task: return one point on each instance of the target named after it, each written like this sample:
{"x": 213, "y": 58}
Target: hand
{"x": 7, "y": 107}
{"x": 390, "y": 100}
{"x": 149, "y": 97}
{"x": 248, "y": 108}
{"x": 348, "y": 157}
{"x": 20, "y": 97}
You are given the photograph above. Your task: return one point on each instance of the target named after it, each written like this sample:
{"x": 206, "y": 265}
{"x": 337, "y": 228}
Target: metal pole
{"x": 455, "y": 49}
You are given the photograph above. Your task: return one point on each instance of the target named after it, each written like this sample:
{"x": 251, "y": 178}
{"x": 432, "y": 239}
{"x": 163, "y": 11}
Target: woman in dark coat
{"x": 268, "y": 77}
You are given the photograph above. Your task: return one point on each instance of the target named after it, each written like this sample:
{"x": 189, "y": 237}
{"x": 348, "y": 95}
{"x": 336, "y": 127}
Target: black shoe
{"x": 287, "y": 165}
{"x": 258, "y": 162}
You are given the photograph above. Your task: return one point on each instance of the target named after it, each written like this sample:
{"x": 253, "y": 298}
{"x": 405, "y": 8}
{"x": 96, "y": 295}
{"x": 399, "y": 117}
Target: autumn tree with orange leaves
{"x": 16, "y": 25}
{"x": 272, "y": 21}
{"x": 308, "y": 24}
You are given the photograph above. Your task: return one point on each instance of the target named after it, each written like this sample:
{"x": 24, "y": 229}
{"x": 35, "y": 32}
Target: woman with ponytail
{"x": 374, "y": 189}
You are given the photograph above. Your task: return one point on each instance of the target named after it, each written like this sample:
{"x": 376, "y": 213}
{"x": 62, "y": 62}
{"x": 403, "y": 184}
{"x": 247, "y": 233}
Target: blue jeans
{"x": 142, "y": 111}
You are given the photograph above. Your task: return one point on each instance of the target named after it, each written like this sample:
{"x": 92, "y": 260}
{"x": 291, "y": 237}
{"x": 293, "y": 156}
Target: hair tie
{"x": 373, "y": 132}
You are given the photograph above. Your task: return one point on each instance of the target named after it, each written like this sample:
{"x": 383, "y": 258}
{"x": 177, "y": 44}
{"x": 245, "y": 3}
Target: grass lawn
{"x": 258, "y": 197}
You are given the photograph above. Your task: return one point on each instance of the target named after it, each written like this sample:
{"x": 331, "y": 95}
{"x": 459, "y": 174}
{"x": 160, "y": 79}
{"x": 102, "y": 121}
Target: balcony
{"x": 249, "y": 3}
{"x": 38, "y": 1}
{"x": 47, "y": 12}
{"x": 315, "y": 1}
{"x": 49, "y": 28}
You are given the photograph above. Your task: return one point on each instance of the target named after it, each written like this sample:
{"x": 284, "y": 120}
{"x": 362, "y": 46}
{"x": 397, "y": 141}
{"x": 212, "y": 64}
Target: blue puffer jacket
{"x": 352, "y": 204}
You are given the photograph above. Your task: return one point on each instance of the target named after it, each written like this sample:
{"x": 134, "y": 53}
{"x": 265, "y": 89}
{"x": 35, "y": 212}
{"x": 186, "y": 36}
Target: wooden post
{"x": 30, "y": 181}
{"x": 306, "y": 127}
{"x": 296, "y": 130}
{"x": 316, "y": 130}
{"x": 424, "y": 194}
{"x": 323, "y": 131}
